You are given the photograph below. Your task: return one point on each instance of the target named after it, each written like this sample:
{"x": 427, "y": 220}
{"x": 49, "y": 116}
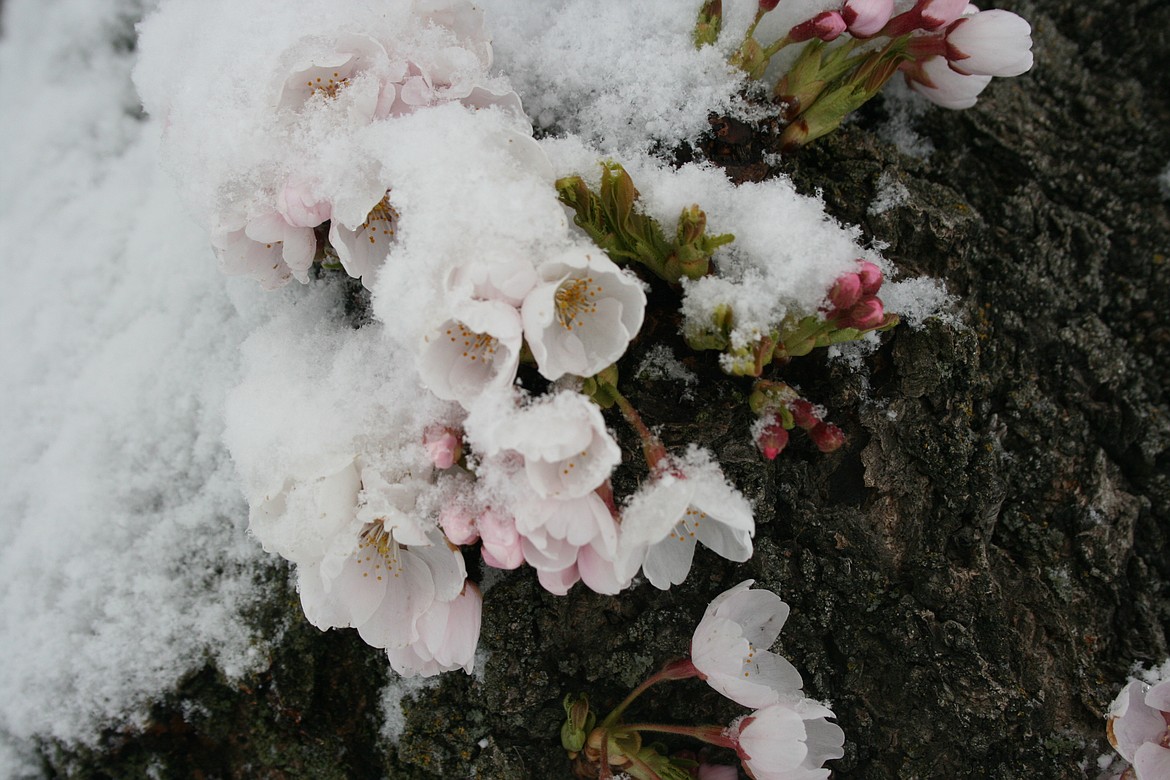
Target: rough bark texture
{"x": 971, "y": 576}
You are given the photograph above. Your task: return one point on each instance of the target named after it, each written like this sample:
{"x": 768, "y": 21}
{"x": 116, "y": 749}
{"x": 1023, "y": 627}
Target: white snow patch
{"x": 917, "y": 300}
{"x": 891, "y": 193}
{"x": 399, "y": 688}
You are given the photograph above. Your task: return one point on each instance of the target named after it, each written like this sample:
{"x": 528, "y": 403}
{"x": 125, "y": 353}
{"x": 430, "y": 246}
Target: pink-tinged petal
{"x": 1158, "y": 696}
{"x": 361, "y": 585}
{"x": 601, "y": 574}
{"x": 447, "y": 568}
{"x": 553, "y": 555}
{"x": 1152, "y": 762}
{"x": 300, "y": 207}
{"x": 558, "y": 582}
{"x": 409, "y": 591}
{"x": 939, "y": 13}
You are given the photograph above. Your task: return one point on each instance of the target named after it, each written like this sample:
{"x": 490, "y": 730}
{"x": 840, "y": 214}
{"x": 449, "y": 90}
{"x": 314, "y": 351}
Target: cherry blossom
{"x": 364, "y": 247}
{"x": 448, "y": 633}
{"x": 266, "y": 248}
{"x": 477, "y": 350}
{"x": 502, "y": 548}
{"x": 568, "y": 452}
{"x": 383, "y": 588}
{"x": 788, "y": 741}
{"x": 689, "y": 501}
{"x": 730, "y": 647}
{"x": 583, "y": 315}
{"x": 573, "y": 539}
{"x": 299, "y": 205}
{"x": 328, "y": 68}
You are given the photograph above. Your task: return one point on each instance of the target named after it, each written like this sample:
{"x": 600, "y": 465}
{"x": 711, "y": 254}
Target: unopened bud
{"x": 871, "y": 278}
{"x": 826, "y": 26}
{"x": 827, "y": 437}
{"x": 443, "y": 446}
{"x": 772, "y": 438}
{"x": 867, "y": 315}
{"x": 866, "y": 18}
{"x": 768, "y": 5}
{"x": 846, "y": 292}
{"x": 458, "y": 524}
{"x": 578, "y": 722}
{"x": 803, "y": 414}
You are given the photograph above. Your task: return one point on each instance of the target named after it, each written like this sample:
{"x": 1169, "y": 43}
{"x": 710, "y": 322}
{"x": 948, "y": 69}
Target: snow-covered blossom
{"x": 392, "y": 503}
{"x": 364, "y": 247}
{"x": 266, "y": 248}
{"x": 1139, "y": 728}
{"x": 476, "y": 350}
{"x": 326, "y": 68}
{"x": 865, "y": 18}
{"x": 990, "y": 43}
{"x": 568, "y": 452}
{"x": 583, "y": 315}
{"x": 448, "y": 633}
{"x": 788, "y": 741}
{"x": 300, "y": 207}
{"x": 730, "y": 647}
{"x": 690, "y": 500}
{"x": 458, "y": 524}
{"x": 934, "y": 79}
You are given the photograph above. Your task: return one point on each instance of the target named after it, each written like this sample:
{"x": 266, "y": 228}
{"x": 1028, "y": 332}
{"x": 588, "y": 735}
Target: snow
{"x": 150, "y": 401}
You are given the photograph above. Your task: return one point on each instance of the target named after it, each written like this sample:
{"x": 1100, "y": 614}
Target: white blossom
{"x": 689, "y": 501}
{"x": 730, "y": 647}
{"x": 573, "y": 539}
{"x": 583, "y": 315}
{"x": 477, "y": 350}
{"x": 1139, "y": 728}
{"x": 363, "y": 248}
{"x": 788, "y": 741}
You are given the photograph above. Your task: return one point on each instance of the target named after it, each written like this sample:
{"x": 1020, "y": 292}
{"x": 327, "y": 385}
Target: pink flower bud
{"x": 827, "y": 437}
{"x": 865, "y": 18}
{"x": 846, "y": 291}
{"x": 458, "y": 524}
{"x": 443, "y": 446}
{"x": 826, "y": 26}
{"x": 804, "y": 414}
{"x": 772, "y": 439}
{"x": 866, "y": 315}
{"x": 501, "y": 541}
{"x": 871, "y": 278}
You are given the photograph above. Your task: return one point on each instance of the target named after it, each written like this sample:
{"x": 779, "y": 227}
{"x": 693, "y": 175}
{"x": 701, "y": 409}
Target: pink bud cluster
{"x": 772, "y": 437}
{"x": 854, "y": 299}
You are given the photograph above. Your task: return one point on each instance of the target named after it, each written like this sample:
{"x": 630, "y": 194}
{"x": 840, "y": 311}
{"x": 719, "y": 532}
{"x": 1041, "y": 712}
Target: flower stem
{"x": 712, "y": 735}
{"x": 675, "y": 670}
{"x": 652, "y": 447}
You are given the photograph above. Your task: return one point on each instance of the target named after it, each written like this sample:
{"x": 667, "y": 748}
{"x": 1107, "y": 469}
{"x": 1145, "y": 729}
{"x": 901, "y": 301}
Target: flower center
{"x": 377, "y": 553}
{"x": 476, "y": 346}
{"x": 329, "y": 85}
{"x": 575, "y": 297}
{"x": 383, "y": 219}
